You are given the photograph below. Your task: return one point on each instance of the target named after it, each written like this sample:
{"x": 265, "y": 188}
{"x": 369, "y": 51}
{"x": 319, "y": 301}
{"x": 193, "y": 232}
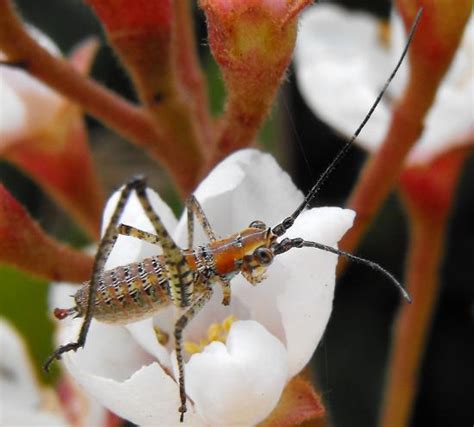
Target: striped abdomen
{"x": 128, "y": 293}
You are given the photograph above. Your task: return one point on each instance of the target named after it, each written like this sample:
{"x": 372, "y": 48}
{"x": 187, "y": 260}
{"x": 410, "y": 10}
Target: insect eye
{"x": 258, "y": 224}
{"x": 264, "y": 256}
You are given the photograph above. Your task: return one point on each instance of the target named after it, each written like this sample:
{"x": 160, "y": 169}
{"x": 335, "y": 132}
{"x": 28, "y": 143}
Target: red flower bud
{"x": 252, "y": 40}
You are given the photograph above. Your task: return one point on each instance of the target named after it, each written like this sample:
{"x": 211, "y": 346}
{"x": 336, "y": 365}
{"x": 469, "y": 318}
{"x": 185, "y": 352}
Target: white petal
{"x": 44, "y": 40}
{"x": 39, "y": 103}
{"x": 295, "y": 301}
{"x": 294, "y": 288}
{"x": 256, "y": 188}
{"x": 60, "y": 296}
{"x": 306, "y": 302}
{"x": 12, "y": 115}
{"x": 17, "y": 378}
{"x": 148, "y": 398}
{"x": 246, "y": 186}
{"x": 109, "y": 351}
{"x": 129, "y": 249}
{"x": 453, "y": 111}
{"x": 238, "y": 384}
{"x": 116, "y": 371}
{"x": 144, "y": 334}
{"x": 20, "y": 400}
{"x": 340, "y": 69}
{"x": 18, "y": 415}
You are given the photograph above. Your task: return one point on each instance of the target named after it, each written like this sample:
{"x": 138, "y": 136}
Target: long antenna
{"x": 281, "y": 228}
{"x": 287, "y": 244}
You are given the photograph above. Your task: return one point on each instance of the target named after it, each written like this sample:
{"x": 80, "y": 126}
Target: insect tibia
{"x": 62, "y": 313}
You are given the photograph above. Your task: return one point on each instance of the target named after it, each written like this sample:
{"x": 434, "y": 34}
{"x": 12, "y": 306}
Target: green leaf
{"x": 23, "y": 301}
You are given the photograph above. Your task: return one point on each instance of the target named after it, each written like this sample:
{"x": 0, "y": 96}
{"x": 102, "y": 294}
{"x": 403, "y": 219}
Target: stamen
{"x": 215, "y": 332}
{"x": 161, "y": 336}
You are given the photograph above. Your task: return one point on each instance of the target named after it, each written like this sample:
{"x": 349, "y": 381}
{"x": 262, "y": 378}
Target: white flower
{"x": 21, "y": 402}
{"x": 280, "y": 321}
{"x": 27, "y": 105}
{"x": 342, "y": 63}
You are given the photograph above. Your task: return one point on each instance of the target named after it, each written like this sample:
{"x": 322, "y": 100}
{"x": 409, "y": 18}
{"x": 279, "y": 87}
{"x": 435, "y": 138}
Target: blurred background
{"x": 350, "y": 362}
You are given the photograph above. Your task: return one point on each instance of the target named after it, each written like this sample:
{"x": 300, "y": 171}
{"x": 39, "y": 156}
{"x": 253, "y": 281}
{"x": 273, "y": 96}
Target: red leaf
{"x": 120, "y": 15}
{"x": 62, "y": 165}
{"x": 24, "y": 245}
{"x": 141, "y": 33}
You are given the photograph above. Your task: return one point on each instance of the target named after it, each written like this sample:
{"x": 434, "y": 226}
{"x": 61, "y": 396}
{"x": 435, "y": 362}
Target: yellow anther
{"x": 215, "y": 332}
{"x": 191, "y": 347}
{"x": 161, "y": 336}
{"x": 227, "y": 323}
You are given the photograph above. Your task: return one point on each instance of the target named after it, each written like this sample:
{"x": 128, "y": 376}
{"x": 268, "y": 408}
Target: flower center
{"x": 215, "y": 332}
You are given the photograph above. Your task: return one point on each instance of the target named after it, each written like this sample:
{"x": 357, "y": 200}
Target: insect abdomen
{"x": 128, "y": 293}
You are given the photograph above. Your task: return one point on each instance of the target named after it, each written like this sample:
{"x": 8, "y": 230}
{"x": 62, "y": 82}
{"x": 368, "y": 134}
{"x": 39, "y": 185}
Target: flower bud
{"x": 429, "y": 189}
{"x": 438, "y": 35}
{"x": 43, "y": 134}
{"x": 252, "y": 41}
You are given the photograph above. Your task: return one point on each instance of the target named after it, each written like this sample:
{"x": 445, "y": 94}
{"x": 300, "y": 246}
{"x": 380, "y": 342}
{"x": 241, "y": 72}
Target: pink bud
{"x": 252, "y": 41}
{"x": 44, "y": 135}
{"x": 438, "y": 34}
{"x": 430, "y": 188}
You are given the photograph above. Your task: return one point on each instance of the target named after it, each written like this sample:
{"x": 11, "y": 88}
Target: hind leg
{"x": 105, "y": 247}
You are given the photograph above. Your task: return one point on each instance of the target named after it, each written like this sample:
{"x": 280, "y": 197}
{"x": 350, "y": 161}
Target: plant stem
{"x": 428, "y": 192}
{"x": 192, "y": 77}
{"x": 383, "y": 169}
{"x": 115, "y": 112}
{"x": 413, "y": 322}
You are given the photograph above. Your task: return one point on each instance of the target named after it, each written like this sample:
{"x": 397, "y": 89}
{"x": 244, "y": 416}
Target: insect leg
{"x": 181, "y": 277}
{"x": 178, "y": 337}
{"x": 105, "y": 247}
{"x": 128, "y": 230}
{"x": 194, "y": 208}
{"x": 225, "y": 289}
